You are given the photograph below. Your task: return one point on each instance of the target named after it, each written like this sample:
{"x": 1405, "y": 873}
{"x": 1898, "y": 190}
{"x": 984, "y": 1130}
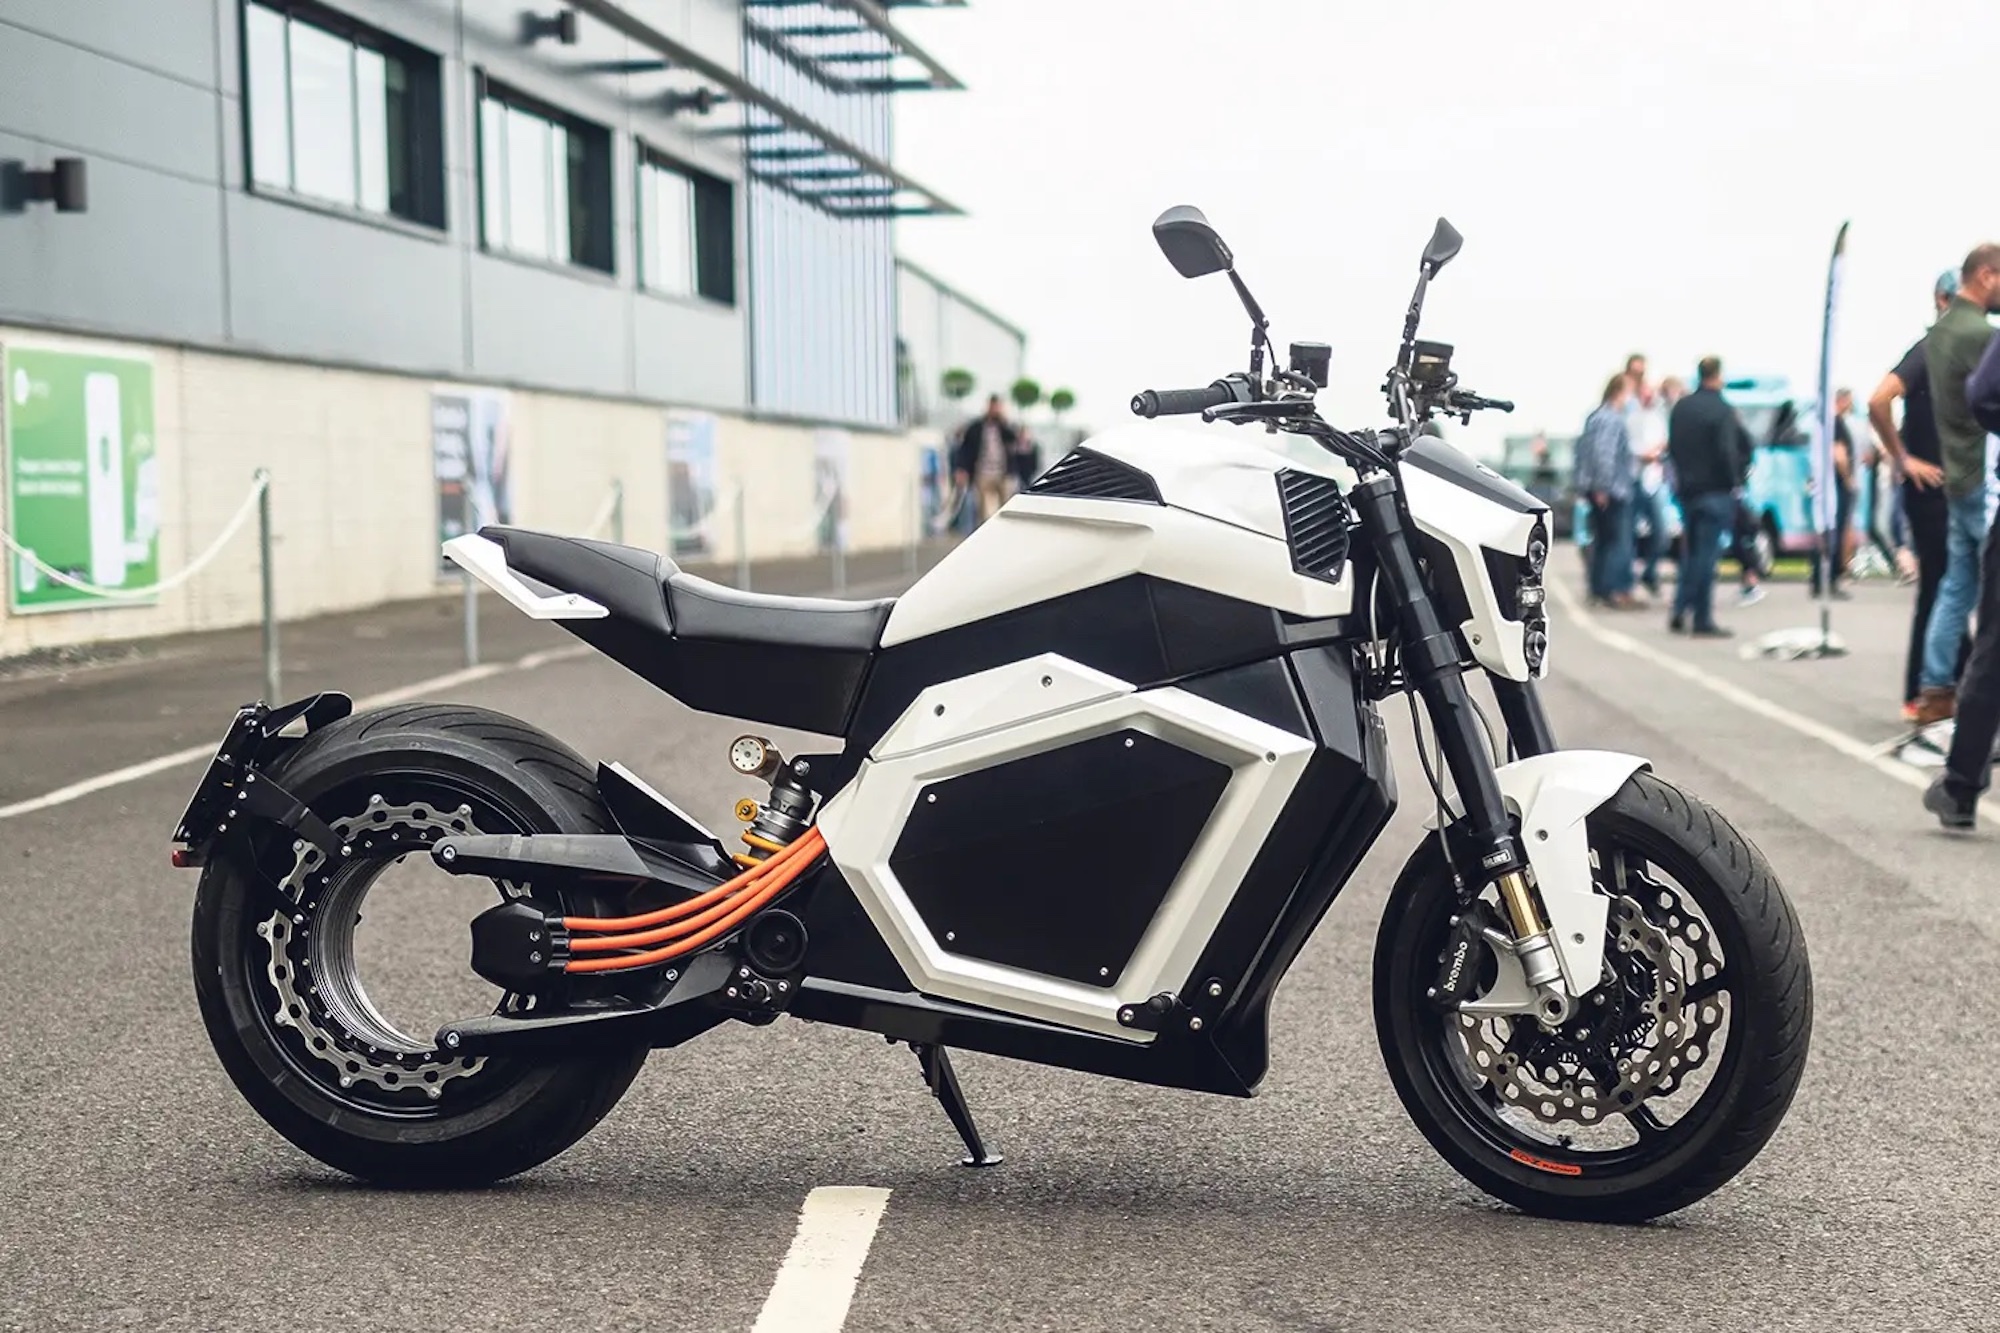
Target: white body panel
{"x": 485, "y": 561}
{"x": 1219, "y": 528}
{"x": 1040, "y": 547}
{"x": 1012, "y": 720}
{"x": 1553, "y": 794}
{"x": 1465, "y": 523}
{"x": 955, "y": 710}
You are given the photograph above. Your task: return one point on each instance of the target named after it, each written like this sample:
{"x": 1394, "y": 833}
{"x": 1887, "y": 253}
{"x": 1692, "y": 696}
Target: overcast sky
{"x": 1661, "y": 177}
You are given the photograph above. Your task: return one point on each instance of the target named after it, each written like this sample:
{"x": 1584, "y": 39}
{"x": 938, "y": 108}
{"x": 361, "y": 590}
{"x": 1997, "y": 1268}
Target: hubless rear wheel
{"x": 1673, "y": 1074}
{"x": 279, "y": 980}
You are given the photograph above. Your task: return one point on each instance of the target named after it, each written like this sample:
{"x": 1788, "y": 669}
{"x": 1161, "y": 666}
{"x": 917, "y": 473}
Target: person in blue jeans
{"x": 1952, "y": 351}
{"x": 1711, "y": 459}
{"x": 1605, "y": 476}
{"x": 1968, "y": 768}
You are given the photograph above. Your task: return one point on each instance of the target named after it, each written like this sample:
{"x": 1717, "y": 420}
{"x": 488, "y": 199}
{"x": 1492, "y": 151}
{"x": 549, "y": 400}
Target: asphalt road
{"x": 137, "y": 1190}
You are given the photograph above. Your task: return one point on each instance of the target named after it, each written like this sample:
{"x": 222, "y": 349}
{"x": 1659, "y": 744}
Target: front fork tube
{"x": 1432, "y": 665}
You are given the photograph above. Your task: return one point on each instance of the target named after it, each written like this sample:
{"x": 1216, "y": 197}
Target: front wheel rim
{"x": 1510, "y": 1129}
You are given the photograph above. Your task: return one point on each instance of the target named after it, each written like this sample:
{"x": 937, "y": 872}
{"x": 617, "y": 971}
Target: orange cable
{"x": 744, "y": 907}
{"x": 695, "y": 904}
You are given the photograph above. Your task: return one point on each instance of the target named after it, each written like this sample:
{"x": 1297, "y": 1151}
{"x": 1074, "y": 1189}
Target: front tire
{"x": 303, "y": 1042}
{"x": 1728, "y": 954}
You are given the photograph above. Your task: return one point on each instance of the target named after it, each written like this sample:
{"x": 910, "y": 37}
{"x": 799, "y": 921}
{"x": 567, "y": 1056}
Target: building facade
{"x": 310, "y": 218}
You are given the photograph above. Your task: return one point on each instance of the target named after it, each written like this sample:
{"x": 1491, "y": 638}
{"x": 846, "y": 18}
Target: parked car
{"x": 1780, "y": 492}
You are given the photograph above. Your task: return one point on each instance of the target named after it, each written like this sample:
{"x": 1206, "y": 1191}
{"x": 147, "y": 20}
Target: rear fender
{"x": 229, "y": 787}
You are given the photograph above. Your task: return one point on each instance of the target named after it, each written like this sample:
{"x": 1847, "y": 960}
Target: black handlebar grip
{"x": 1181, "y": 402}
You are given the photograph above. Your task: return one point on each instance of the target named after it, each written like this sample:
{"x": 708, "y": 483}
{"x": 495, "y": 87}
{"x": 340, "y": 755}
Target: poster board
{"x": 471, "y": 462}
{"x": 82, "y": 475}
{"x": 830, "y": 459}
{"x": 691, "y": 491}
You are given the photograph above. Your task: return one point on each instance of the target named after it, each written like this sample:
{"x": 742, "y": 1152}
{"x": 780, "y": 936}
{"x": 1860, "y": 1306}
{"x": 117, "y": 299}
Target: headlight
{"x": 1531, "y": 600}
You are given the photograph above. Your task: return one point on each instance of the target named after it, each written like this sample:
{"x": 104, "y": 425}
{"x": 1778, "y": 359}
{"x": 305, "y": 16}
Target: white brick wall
{"x": 354, "y": 500}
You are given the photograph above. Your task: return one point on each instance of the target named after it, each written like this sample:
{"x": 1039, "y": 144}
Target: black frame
{"x": 422, "y": 128}
{"x": 591, "y": 199}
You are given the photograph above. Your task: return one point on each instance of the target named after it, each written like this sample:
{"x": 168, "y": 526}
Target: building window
{"x": 687, "y": 230}
{"x": 544, "y": 181}
{"x": 342, "y": 114}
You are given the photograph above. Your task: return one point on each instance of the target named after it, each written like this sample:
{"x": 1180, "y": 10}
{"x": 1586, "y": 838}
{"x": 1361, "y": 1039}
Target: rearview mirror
{"x": 1444, "y": 246}
{"x": 1190, "y": 244}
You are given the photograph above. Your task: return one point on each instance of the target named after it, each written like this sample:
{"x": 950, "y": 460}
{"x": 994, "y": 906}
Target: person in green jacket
{"x": 1951, "y": 351}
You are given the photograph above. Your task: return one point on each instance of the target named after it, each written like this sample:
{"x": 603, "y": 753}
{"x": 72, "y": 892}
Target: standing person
{"x": 1913, "y": 450}
{"x": 1951, "y": 350}
{"x": 984, "y": 459}
{"x": 1711, "y": 456}
{"x": 1605, "y": 476}
{"x": 1968, "y": 767}
{"x": 1838, "y": 550}
{"x": 1646, "y": 426}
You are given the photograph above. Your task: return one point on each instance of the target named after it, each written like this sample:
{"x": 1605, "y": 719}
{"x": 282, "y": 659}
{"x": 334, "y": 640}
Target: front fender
{"x": 1552, "y": 794}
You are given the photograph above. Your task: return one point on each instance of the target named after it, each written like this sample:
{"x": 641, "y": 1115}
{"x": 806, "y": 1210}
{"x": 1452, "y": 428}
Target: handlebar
{"x": 1184, "y": 402}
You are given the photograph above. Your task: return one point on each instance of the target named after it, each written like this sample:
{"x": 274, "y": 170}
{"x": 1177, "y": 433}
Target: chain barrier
{"x": 200, "y": 562}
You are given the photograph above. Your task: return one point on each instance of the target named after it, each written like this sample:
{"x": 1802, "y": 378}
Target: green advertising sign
{"x": 83, "y": 477}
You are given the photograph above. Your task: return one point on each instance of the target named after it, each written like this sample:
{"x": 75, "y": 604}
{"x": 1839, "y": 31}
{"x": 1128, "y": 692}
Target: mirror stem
{"x": 1416, "y": 314}
{"x": 1259, "y": 327}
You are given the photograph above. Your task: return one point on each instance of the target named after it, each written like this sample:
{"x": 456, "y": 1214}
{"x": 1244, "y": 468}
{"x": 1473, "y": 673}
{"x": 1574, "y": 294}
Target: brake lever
{"x": 1277, "y": 409}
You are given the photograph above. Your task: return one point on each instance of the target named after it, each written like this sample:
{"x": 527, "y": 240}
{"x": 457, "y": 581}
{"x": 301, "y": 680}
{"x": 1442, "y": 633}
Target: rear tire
{"x": 1748, "y": 1086}
{"x": 506, "y": 1116}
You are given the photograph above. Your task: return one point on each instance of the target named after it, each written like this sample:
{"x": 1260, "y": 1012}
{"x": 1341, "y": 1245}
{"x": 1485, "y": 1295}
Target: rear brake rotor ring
{"x": 320, "y": 994}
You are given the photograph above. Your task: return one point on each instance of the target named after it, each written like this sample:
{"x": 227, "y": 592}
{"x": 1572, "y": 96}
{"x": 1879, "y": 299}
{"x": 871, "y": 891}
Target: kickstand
{"x": 936, "y": 1062}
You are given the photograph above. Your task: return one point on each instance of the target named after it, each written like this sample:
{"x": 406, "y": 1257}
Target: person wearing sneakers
{"x": 1913, "y": 449}
{"x": 1951, "y": 352}
{"x": 1968, "y": 767}
{"x": 1606, "y": 475}
{"x": 1711, "y": 458}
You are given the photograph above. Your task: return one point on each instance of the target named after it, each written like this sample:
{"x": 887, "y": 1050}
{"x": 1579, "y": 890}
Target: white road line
{"x": 1872, "y": 755}
{"x": 195, "y": 753}
{"x": 816, "y": 1282}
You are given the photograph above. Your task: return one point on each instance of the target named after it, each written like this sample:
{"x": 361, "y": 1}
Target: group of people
{"x": 993, "y": 459}
{"x": 1641, "y": 445}
{"x": 1949, "y": 385}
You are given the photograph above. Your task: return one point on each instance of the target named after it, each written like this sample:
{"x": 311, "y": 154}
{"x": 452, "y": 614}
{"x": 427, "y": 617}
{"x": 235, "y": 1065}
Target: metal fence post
{"x": 916, "y": 519}
{"x": 269, "y": 592}
{"x": 742, "y": 542}
{"x": 839, "y": 550}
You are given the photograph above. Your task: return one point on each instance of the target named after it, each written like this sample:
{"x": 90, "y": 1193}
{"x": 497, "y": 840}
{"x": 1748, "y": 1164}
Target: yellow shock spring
{"x": 761, "y": 847}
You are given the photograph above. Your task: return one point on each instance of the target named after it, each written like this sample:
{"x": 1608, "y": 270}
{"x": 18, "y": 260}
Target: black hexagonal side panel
{"x": 1056, "y": 863}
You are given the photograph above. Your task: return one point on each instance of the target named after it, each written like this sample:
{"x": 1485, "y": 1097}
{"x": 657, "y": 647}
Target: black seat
{"x": 789, "y": 661}
{"x": 703, "y": 610}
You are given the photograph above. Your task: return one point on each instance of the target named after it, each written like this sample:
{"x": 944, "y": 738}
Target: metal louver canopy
{"x": 783, "y": 147}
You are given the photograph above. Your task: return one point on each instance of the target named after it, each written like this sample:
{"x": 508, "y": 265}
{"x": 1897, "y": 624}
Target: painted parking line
{"x": 816, "y": 1282}
{"x": 118, "y": 777}
{"x": 1861, "y": 751}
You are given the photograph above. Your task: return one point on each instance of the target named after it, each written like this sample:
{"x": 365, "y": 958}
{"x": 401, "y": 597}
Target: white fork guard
{"x": 1553, "y": 794}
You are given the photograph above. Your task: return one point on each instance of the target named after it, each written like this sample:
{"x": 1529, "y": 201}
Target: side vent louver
{"x": 1083, "y": 475}
{"x": 1316, "y": 523}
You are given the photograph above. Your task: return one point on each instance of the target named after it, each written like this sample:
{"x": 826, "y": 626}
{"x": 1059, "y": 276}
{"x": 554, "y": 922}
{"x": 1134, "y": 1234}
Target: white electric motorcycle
{"x": 1101, "y": 773}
